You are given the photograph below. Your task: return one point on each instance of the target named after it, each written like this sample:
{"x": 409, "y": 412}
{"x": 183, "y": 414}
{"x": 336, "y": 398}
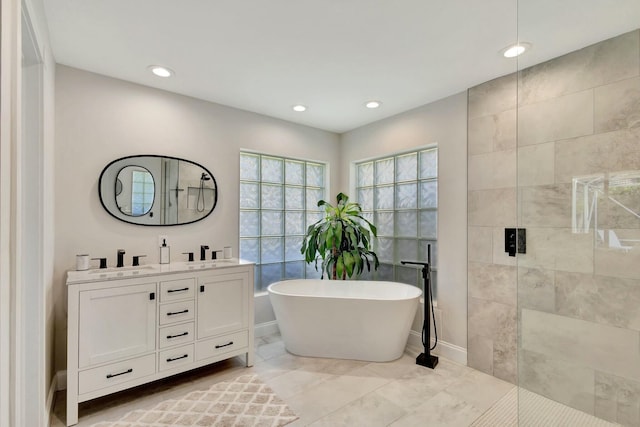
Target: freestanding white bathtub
{"x": 344, "y": 319}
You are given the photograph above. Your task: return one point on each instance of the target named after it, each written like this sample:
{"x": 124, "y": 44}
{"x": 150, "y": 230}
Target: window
{"x": 399, "y": 194}
{"x": 278, "y": 201}
{"x": 142, "y": 192}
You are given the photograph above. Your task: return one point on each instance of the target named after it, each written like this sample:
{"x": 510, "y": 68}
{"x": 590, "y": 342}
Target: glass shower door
{"x": 578, "y": 198}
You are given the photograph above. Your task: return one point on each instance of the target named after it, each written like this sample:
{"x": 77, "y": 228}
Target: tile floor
{"x": 327, "y": 392}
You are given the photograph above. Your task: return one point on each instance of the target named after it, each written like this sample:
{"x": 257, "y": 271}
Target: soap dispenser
{"x": 165, "y": 254}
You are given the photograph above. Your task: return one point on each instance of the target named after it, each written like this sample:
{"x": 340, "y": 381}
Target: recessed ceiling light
{"x": 373, "y": 104}
{"x": 299, "y": 108}
{"x": 161, "y": 71}
{"x": 515, "y": 50}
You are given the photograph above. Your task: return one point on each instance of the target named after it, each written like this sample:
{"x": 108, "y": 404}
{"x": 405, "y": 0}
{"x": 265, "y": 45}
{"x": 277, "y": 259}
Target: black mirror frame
{"x": 102, "y": 174}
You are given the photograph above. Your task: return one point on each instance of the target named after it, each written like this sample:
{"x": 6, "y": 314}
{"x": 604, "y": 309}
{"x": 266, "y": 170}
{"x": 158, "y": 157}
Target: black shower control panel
{"x": 515, "y": 240}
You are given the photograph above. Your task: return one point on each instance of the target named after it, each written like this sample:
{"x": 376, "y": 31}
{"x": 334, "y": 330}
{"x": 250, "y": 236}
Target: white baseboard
{"x": 266, "y": 328}
{"x": 447, "y": 350}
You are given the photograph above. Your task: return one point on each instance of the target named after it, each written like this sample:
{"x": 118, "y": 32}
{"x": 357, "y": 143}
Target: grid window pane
{"x": 249, "y": 196}
{"x": 365, "y": 174}
{"x": 313, "y": 217}
{"x": 271, "y": 196}
{"x": 249, "y": 224}
{"x": 294, "y": 223}
{"x": 384, "y": 171}
{"x": 429, "y": 194}
{"x": 385, "y": 249}
{"x": 407, "y": 167}
{"x": 292, "y": 247}
{"x": 249, "y": 167}
{"x": 407, "y": 249}
{"x": 271, "y": 273}
{"x": 429, "y": 224}
{"x": 278, "y": 198}
{"x": 271, "y": 249}
{"x": 385, "y": 272}
{"x": 384, "y": 197}
{"x": 294, "y": 197}
{"x": 294, "y": 270}
{"x": 315, "y": 175}
{"x": 294, "y": 172}
{"x": 406, "y": 196}
{"x": 313, "y": 197}
{"x": 365, "y": 198}
{"x": 407, "y": 224}
{"x": 384, "y": 223}
{"x": 271, "y": 223}
{"x": 272, "y": 170}
{"x": 369, "y": 217}
{"x": 429, "y": 164}
{"x": 249, "y": 250}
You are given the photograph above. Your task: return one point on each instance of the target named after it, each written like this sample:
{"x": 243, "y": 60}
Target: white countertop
{"x": 115, "y": 273}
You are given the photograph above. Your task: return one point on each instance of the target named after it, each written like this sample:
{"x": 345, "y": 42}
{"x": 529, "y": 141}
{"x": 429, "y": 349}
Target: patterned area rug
{"x": 523, "y": 408}
{"x": 243, "y": 402}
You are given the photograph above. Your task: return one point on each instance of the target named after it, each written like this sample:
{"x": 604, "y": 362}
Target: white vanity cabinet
{"x": 127, "y": 329}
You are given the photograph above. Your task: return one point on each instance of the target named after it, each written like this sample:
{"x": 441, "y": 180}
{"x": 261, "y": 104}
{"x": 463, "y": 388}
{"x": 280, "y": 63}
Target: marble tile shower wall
{"x": 575, "y": 294}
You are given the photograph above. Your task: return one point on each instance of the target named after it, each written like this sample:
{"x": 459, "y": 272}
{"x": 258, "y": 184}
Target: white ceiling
{"x": 331, "y": 55}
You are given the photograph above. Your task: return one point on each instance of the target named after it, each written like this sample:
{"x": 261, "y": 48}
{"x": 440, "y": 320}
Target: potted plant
{"x": 342, "y": 239}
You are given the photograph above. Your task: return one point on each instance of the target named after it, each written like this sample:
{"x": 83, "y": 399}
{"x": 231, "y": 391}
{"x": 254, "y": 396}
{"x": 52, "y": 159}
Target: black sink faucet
{"x": 203, "y": 252}
{"x": 120, "y": 258}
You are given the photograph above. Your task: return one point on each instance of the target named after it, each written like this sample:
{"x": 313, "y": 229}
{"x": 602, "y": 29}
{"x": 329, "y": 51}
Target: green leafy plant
{"x": 342, "y": 239}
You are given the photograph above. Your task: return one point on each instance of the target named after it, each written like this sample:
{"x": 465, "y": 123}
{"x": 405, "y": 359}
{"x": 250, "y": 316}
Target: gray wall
{"x": 577, "y": 294}
{"x": 99, "y": 119}
{"x": 492, "y": 207}
{"x": 442, "y": 122}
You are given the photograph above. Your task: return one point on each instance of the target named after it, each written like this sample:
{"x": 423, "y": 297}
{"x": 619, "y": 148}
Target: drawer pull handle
{"x": 177, "y": 335}
{"x": 225, "y": 345}
{"x": 128, "y": 371}
{"x": 178, "y": 312}
{"x": 184, "y": 356}
{"x": 177, "y": 290}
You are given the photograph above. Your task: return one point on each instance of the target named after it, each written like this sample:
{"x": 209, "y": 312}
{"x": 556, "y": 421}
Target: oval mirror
{"x": 157, "y": 190}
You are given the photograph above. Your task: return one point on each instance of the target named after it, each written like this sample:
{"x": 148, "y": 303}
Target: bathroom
{"x": 483, "y": 187}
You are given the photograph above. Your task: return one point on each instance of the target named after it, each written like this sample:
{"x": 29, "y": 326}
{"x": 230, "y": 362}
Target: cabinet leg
{"x": 249, "y": 356}
{"x": 72, "y": 411}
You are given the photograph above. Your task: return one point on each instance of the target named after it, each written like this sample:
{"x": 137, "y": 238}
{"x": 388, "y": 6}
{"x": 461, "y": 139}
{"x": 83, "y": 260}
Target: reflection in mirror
{"x": 157, "y": 190}
{"x": 600, "y": 201}
{"x": 134, "y": 191}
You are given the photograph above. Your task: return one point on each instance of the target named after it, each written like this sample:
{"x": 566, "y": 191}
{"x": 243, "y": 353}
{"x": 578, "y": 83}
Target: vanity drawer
{"x": 176, "y": 334}
{"x": 173, "y": 290}
{"x": 177, "y": 312}
{"x": 174, "y": 357}
{"x": 220, "y": 345}
{"x": 116, "y": 373}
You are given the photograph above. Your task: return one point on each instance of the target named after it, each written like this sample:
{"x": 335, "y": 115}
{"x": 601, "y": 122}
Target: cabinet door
{"x": 116, "y": 323}
{"x": 223, "y": 304}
